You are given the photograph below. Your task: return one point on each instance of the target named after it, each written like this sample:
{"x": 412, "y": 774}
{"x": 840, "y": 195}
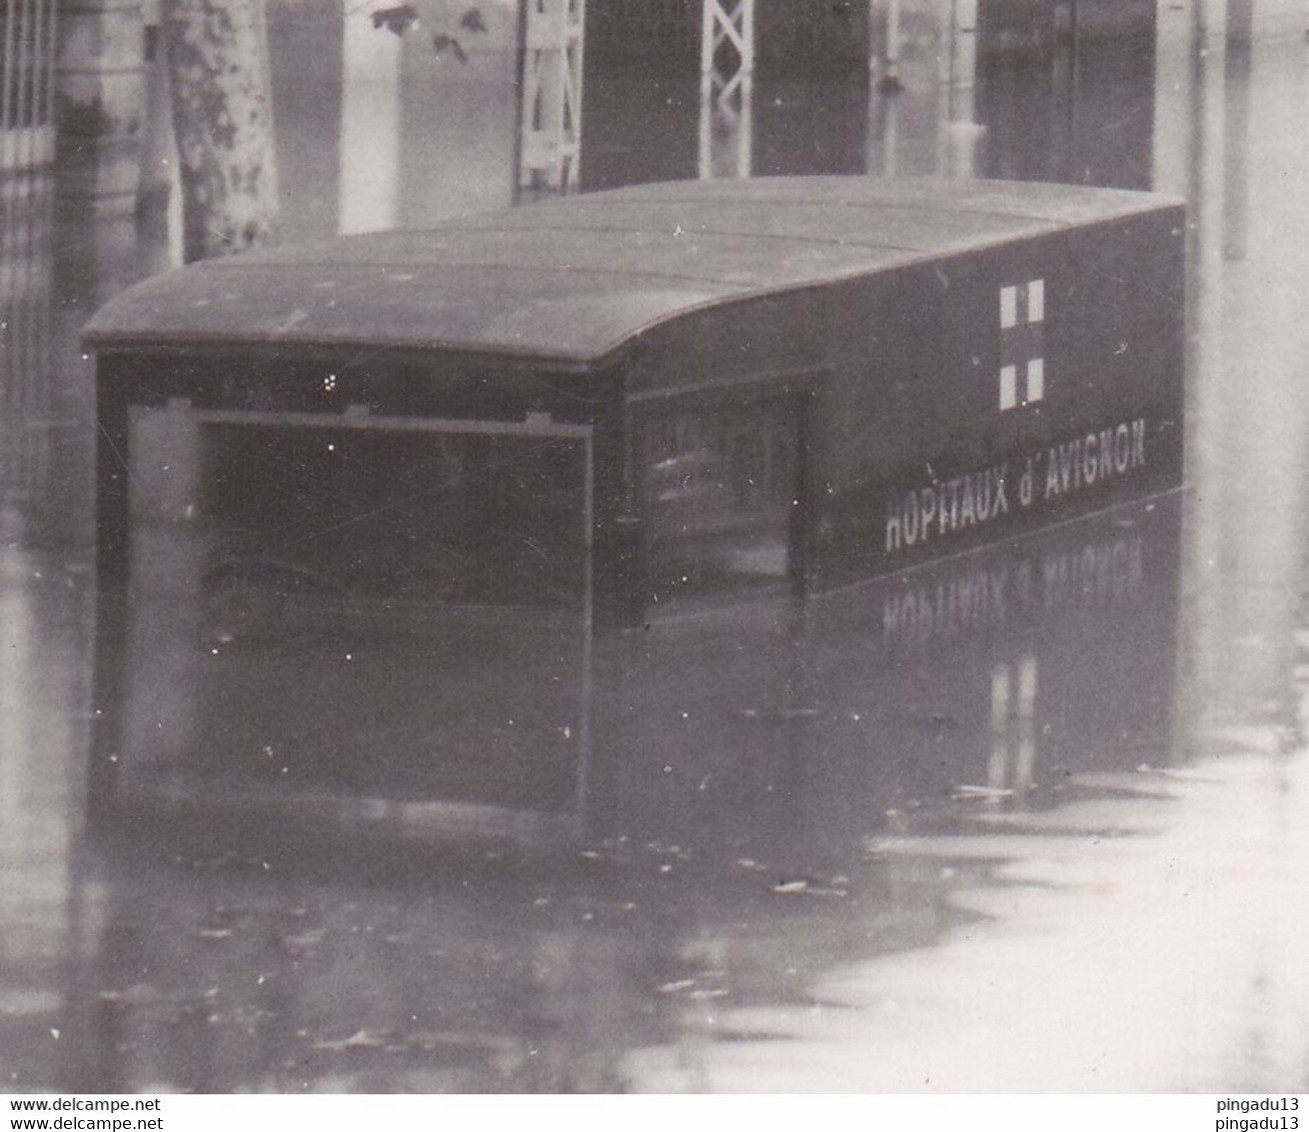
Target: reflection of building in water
{"x": 43, "y": 696}
{"x": 780, "y": 731}
{"x": 369, "y": 683}
{"x": 727, "y": 745}
{"x": 1013, "y": 727}
{"x": 42, "y": 692}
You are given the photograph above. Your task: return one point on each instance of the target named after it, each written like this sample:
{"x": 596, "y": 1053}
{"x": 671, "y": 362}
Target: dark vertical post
{"x": 801, "y": 565}
{"x": 619, "y": 552}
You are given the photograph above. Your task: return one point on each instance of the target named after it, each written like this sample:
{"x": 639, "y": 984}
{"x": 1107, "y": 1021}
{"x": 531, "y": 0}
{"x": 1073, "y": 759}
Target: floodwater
{"x": 1033, "y": 819}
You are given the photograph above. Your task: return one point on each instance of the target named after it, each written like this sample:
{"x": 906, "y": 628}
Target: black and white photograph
{"x": 655, "y": 546}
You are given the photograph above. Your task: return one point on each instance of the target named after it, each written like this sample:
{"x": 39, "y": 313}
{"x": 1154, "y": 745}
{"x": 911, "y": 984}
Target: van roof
{"x": 573, "y": 279}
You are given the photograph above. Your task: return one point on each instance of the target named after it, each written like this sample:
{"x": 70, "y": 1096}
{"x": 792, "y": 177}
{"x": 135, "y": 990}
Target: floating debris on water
{"x": 360, "y": 1039}
{"x": 675, "y": 986}
{"x": 970, "y": 791}
{"x": 836, "y": 886}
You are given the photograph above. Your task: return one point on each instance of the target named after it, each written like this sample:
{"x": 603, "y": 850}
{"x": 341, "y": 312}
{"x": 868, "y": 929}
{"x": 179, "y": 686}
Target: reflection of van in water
{"x": 669, "y": 391}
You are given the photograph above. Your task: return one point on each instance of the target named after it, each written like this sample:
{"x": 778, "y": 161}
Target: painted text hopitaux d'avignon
{"x": 947, "y": 507}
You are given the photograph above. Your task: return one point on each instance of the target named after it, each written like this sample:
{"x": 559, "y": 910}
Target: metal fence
{"x": 27, "y": 43}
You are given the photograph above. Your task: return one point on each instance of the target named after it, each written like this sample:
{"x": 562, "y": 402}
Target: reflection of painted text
{"x": 1096, "y": 575}
{"x": 946, "y": 507}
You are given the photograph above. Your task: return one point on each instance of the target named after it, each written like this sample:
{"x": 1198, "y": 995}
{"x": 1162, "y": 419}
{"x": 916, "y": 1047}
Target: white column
{"x": 727, "y": 133}
{"x": 961, "y": 133}
{"x": 1211, "y": 18}
{"x": 1176, "y": 44}
{"x": 370, "y": 122}
{"x": 727, "y": 23}
{"x": 727, "y": 89}
{"x": 1206, "y": 385}
{"x": 891, "y": 58}
{"x": 1277, "y": 19}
